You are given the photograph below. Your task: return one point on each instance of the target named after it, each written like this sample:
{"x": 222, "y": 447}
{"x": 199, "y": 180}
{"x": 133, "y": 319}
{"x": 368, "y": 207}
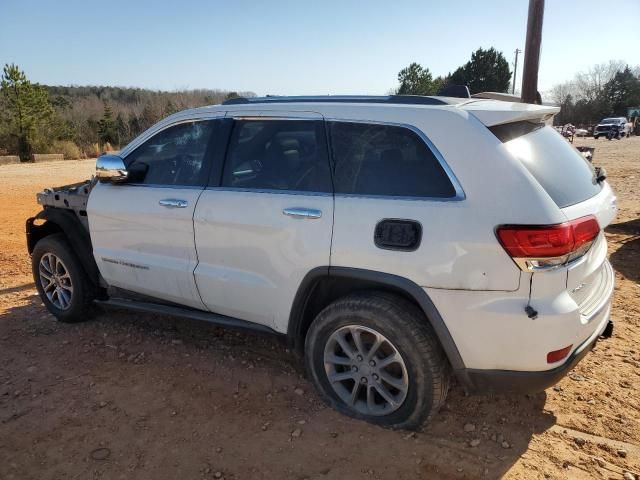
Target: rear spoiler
{"x": 505, "y": 97}
{"x": 497, "y": 112}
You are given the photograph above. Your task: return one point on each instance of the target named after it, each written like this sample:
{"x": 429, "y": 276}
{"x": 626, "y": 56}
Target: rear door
{"x": 267, "y": 220}
{"x": 142, "y": 233}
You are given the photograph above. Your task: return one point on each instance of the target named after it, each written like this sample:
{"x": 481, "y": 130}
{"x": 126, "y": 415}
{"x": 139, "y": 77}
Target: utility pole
{"x": 515, "y": 72}
{"x": 532, "y": 51}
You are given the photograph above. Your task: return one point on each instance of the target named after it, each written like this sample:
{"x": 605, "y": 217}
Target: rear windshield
{"x": 558, "y": 167}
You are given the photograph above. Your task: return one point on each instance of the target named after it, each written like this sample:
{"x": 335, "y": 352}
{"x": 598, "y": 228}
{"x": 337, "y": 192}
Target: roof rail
{"x": 388, "y": 99}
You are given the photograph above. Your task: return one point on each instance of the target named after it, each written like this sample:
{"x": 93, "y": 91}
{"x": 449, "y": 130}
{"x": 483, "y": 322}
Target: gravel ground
{"x": 138, "y": 396}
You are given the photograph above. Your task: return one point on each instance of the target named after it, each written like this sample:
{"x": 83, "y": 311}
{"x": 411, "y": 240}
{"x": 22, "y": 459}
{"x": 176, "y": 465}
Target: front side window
{"x": 278, "y": 155}
{"x": 175, "y": 156}
{"x": 373, "y": 159}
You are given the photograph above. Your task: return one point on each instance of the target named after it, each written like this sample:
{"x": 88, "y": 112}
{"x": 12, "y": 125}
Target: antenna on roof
{"x": 458, "y": 91}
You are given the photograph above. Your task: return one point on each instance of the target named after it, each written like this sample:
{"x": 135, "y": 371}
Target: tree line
{"x": 486, "y": 71}
{"x": 604, "y": 90}
{"x": 84, "y": 121}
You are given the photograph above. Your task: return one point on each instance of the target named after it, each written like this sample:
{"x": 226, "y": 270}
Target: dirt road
{"x": 139, "y": 396}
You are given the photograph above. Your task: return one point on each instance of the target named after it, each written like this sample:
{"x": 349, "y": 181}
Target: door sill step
{"x": 184, "y": 312}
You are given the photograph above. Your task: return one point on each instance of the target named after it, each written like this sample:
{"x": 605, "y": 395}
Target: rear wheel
{"x": 373, "y": 356}
{"x": 62, "y": 283}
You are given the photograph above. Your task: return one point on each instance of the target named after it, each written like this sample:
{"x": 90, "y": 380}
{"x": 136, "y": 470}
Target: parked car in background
{"x": 616, "y": 127}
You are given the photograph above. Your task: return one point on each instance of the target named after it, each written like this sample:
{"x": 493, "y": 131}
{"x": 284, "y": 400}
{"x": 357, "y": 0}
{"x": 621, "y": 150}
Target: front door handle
{"x": 173, "y": 203}
{"x": 297, "y": 212}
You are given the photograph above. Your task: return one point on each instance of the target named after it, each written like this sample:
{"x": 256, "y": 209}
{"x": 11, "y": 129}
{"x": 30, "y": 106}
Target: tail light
{"x": 541, "y": 247}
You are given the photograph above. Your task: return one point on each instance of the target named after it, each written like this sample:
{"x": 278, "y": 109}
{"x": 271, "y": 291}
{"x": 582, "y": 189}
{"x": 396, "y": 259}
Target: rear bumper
{"x": 508, "y": 381}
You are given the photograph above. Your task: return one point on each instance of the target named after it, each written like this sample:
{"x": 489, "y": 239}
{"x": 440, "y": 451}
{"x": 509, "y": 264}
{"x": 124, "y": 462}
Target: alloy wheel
{"x": 56, "y": 281}
{"x": 366, "y": 370}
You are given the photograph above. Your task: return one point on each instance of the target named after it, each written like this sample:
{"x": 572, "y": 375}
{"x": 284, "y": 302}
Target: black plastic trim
{"x": 75, "y": 232}
{"x": 399, "y": 247}
{"x": 303, "y": 295}
{"x": 185, "y": 312}
{"x": 509, "y": 381}
{"x": 218, "y": 150}
{"x": 402, "y": 284}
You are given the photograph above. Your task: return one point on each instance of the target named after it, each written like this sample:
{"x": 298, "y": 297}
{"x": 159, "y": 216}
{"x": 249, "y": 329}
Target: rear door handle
{"x": 173, "y": 203}
{"x": 298, "y": 212}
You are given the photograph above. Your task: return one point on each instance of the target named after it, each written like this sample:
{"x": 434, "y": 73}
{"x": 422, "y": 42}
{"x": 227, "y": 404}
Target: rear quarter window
{"x": 559, "y": 168}
{"x": 388, "y": 160}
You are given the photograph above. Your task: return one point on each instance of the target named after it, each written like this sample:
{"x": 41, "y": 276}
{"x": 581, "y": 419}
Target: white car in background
{"x": 394, "y": 242}
{"x": 620, "y": 123}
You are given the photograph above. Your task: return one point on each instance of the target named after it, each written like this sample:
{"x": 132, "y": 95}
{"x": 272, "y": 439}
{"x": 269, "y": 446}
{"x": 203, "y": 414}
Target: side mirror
{"x": 111, "y": 168}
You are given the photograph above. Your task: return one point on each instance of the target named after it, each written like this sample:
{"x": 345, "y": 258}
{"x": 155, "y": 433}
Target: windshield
{"x": 607, "y": 121}
{"x": 558, "y": 167}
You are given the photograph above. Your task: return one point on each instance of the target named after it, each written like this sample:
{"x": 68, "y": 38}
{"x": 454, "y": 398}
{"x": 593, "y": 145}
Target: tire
{"x": 73, "y": 301}
{"x": 595, "y": 137}
{"x": 423, "y": 367}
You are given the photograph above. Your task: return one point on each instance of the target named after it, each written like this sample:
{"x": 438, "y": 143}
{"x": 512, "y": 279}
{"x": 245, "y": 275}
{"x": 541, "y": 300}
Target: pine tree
{"x": 487, "y": 71}
{"x": 107, "y": 126}
{"x": 27, "y": 111}
{"x": 416, "y": 80}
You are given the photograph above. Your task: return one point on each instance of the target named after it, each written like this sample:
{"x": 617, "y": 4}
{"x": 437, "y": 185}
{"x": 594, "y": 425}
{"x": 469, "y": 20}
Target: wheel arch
{"x": 323, "y": 285}
{"x": 66, "y": 223}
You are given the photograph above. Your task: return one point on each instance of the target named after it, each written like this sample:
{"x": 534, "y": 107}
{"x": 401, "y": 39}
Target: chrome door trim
{"x": 301, "y": 212}
{"x": 173, "y": 203}
{"x": 270, "y": 191}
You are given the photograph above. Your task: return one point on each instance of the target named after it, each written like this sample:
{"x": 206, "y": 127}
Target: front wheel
{"x": 63, "y": 285}
{"x": 374, "y": 356}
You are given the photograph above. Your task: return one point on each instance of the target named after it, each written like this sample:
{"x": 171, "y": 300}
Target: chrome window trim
{"x": 398, "y": 197}
{"x": 459, "y": 192}
{"x": 270, "y": 118}
{"x": 270, "y": 191}
{"x": 157, "y": 185}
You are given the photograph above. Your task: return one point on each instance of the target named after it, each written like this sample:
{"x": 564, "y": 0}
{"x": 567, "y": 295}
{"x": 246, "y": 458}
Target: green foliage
{"x": 416, "y": 80}
{"x": 25, "y": 122}
{"x": 36, "y": 118}
{"x": 487, "y": 71}
{"x": 107, "y": 132}
{"x": 622, "y": 91}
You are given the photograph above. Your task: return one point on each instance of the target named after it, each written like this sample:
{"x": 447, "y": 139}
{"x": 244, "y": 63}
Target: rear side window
{"x": 278, "y": 155}
{"x": 373, "y": 159}
{"x": 558, "y": 167}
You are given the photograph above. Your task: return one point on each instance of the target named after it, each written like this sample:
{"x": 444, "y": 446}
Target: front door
{"x": 142, "y": 233}
{"x": 268, "y": 220}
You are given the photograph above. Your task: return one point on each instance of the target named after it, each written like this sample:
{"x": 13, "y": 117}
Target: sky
{"x": 297, "y": 47}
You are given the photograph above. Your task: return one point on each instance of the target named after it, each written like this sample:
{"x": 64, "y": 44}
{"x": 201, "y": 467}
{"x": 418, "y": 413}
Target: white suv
{"x": 394, "y": 241}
